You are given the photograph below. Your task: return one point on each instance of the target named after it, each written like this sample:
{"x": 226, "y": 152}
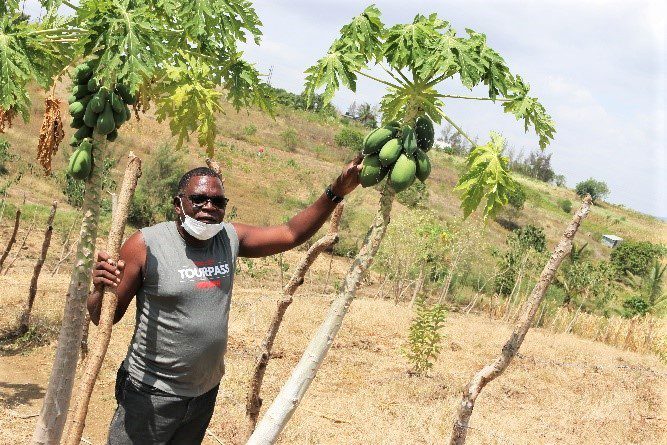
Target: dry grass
{"x": 561, "y": 389}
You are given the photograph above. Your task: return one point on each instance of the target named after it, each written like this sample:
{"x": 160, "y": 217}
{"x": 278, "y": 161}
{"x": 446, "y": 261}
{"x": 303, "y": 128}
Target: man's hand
{"x": 106, "y": 273}
{"x": 349, "y": 178}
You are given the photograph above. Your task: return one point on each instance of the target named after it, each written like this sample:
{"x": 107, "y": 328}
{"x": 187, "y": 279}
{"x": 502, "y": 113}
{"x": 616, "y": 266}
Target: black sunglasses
{"x": 217, "y": 201}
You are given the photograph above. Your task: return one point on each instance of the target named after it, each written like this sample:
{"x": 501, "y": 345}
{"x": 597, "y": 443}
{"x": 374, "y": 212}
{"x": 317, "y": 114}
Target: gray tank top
{"x": 182, "y": 317}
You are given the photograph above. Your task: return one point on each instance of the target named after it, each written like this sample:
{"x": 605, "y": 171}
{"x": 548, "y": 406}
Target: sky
{"x": 597, "y": 66}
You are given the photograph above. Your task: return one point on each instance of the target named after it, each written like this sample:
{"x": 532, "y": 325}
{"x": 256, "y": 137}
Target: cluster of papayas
{"x": 398, "y": 151}
{"x": 94, "y": 108}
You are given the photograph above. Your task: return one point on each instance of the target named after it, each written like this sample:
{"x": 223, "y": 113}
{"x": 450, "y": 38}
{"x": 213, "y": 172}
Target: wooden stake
{"x": 109, "y": 302}
{"x": 498, "y": 366}
{"x": 25, "y": 316}
{"x": 253, "y": 401}
{"x": 12, "y": 240}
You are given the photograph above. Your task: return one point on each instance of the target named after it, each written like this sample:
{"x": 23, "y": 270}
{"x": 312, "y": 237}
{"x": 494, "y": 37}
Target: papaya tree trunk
{"x": 511, "y": 347}
{"x": 52, "y": 417}
{"x": 290, "y": 395}
{"x": 12, "y": 240}
{"x": 109, "y": 303}
{"x": 253, "y": 401}
{"x": 25, "y": 316}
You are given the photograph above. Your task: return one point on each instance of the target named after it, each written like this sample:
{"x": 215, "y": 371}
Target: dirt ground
{"x": 561, "y": 389}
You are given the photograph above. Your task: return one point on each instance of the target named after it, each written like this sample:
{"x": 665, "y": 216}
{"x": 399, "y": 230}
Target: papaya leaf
{"x": 530, "y": 110}
{"x": 244, "y": 87}
{"x": 332, "y": 70}
{"x": 363, "y": 34}
{"x": 487, "y": 176}
{"x": 189, "y": 99}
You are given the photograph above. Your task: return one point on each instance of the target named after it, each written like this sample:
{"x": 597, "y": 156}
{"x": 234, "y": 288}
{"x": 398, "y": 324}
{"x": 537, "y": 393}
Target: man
{"x": 182, "y": 274}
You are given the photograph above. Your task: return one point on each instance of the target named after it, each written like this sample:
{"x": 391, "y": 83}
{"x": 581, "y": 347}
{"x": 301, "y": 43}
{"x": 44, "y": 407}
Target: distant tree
{"x": 636, "y": 258}
{"x": 454, "y": 142}
{"x": 559, "y": 180}
{"x": 367, "y": 115}
{"x": 597, "y": 189}
{"x": 352, "y": 109}
{"x": 517, "y": 197}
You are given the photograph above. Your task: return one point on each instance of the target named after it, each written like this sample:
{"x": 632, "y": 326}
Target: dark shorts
{"x": 148, "y": 416}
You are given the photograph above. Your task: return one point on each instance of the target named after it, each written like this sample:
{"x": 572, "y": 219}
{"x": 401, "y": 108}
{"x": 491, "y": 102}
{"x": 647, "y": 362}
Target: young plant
{"x": 425, "y": 338}
{"x": 416, "y": 58}
{"x": 181, "y": 57}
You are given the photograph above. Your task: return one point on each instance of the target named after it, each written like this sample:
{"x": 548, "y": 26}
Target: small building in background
{"x": 611, "y": 240}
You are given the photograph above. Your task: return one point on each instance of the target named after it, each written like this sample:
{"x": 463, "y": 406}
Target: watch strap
{"x": 332, "y": 196}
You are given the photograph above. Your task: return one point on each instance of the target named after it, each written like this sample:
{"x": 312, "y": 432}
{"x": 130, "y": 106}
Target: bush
{"x": 425, "y": 339}
{"x": 517, "y": 197}
{"x": 290, "y": 139}
{"x": 597, "y": 189}
{"x": 249, "y": 130}
{"x": 152, "y": 201}
{"x": 559, "y": 180}
{"x": 635, "y": 257}
{"x": 635, "y": 306}
{"x": 350, "y": 138}
{"x": 74, "y": 190}
{"x": 5, "y": 155}
{"x": 565, "y": 205}
{"x": 532, "y": 237}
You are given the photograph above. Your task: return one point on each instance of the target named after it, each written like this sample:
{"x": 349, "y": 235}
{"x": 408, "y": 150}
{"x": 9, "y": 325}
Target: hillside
{"x": 561, "y": 389}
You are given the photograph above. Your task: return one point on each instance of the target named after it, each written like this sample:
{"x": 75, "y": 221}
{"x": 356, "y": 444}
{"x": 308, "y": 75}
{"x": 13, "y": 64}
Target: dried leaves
{"x": 6, "y": 118}
{"x": 51, "y": 134}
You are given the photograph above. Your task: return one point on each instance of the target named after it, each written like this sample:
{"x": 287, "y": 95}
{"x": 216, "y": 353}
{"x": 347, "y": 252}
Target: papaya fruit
{"x": 80, "y": 91}
{"x": 408, "y": 140}
{"x": 390, "y": 152}
{"x": 376, "y": 139}
{"x": 77, "y": 109}
{"x": 424, "y": 133}
{"x": 74, "y": 142}
{"x": 128, "y": 113}
{"x": 393, "y": 124}
{"x": 116, "y": 102}
{"x": 403, "y": 173}
{"x": 125, "y": 94}
{"x": 99, "y": 99}
{"x": 423, "y": 165}
{"x": 93, "y": 85}
{"x": 119, "y": 118}
{"x": 84, "y": 132}
{"x": 90, "y": 116}
{"x": 81, "y": 161}
{"x": 83, "y": 72}
{"x": 105, "y": 123}
{"x": 77, "y": 123}
{"x": 111, "y": 137}
{"x": 372, "y": 171}
{"x": 71, "y": 99}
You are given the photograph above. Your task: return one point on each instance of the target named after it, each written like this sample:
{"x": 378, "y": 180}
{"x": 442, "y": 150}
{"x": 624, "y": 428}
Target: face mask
{"x": 198, "y": 229}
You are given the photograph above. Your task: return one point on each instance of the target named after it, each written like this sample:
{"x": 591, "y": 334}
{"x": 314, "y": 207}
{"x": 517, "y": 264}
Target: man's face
{"x": 203, "y": 199}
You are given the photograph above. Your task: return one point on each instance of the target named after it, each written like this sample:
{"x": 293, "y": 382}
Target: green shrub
{"x": 597, "y": 189}
{"x": 152, "y": 201}
{"x": 350, "y": 138}
{"x": 414, "y": 196}
{"x": 635, "y": 306}
{"x": 517, "y": 197}
{"x": 636, "y": 257}
{"x": 5, "y": 155}
{"x": 425, "y": 338}
{"x": 249, "y": 130}
{"x": 290, "y": 139}
{"x": 565, "y": 205}
{"x": 533, "y": 237}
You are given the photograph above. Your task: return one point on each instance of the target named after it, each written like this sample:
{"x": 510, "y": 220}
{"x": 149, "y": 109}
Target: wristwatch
{"x": 332, "y": 196}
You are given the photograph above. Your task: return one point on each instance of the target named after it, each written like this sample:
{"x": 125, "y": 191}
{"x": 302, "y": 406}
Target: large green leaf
{"x": 487, "y": 176}
{"x": 332, "y": 70}
{"x": 530, "y": 110}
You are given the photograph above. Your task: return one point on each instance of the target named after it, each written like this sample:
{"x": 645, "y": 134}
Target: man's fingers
{"x": 107, "y": 279}
{"x": 121, "y": 265}
{"x": 105, "y": 266}
{"x": 102, "y": 256}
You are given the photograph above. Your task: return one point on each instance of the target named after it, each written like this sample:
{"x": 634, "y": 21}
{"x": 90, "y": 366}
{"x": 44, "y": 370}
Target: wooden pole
{"x": 12, "y": 240}
{"x": 511, "y": 347}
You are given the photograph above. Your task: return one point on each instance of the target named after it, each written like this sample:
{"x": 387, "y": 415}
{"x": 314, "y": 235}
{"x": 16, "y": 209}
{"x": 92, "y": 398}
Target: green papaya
{"x": 93, "y": 85}
{"x": 392, "y": 124}
{"x": 80, "y": 91}
{"x": 390, "y": 152}
{"x": 125, "y": 94}
{"x": 77, "y": 109}
{"x": 128, "y": 113}
{"x": 116, "y": 102}
{"x": 403, "y": 173}
{"x": 119, "y": 118}
{"x": 77, "y": 123}
{"x": 111, "y": 137}
{"x": 84, "y": 132}
{"x": 105, "y": 123}
{"x": 81, "y": 162}
{"x": 90, "y": 116}
{"x": 71, "y": 99}
{"x": 74, "y": 142}
{"x": 376, "y": 140}
{"x": 372, "y": 171}
{"x": 99, "y": 99}
{"x": 83, "y": 72}
{"x": 408, "y": 140}
{"x": 423, "y": 165}
{"x": 424, "y": 133}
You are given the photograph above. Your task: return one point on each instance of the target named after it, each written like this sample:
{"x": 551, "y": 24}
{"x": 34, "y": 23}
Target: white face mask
{"x": 198, "y": 229}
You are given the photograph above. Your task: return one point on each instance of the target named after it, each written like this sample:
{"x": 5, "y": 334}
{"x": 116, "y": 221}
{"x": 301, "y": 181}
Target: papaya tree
{"x": 412, "y": 60}
{"x": 180, "y": 57}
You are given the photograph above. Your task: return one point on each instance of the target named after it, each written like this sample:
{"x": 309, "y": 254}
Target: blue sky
{"x": 597, "y": 66}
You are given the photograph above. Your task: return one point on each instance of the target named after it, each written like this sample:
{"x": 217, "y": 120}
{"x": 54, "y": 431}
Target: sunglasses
{"x": 217, "y": 201}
